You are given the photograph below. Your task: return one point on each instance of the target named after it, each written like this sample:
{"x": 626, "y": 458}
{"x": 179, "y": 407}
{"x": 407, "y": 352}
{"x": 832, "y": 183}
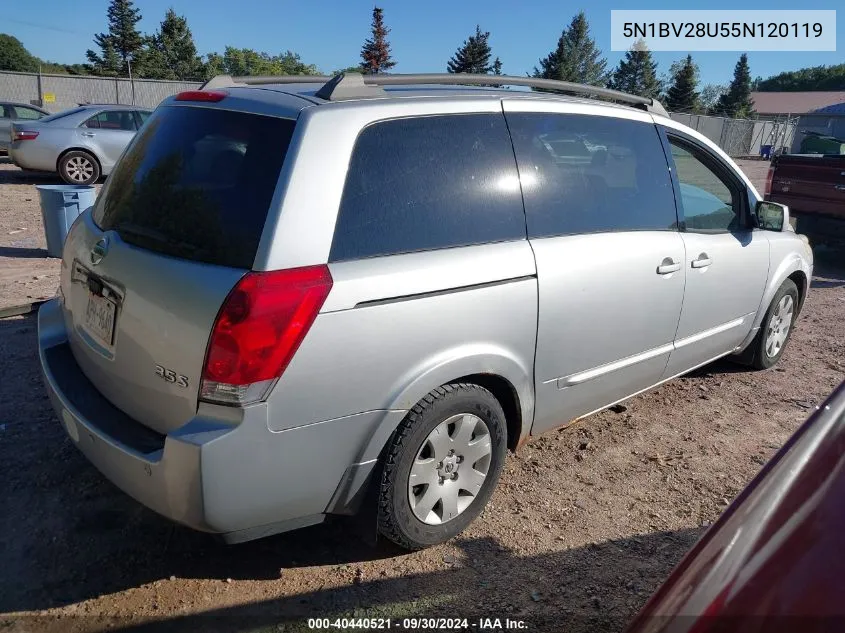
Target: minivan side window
{"x": 709, "y": 202}
{"x": 424, "y": 183}
{"x": 591, "y": 174}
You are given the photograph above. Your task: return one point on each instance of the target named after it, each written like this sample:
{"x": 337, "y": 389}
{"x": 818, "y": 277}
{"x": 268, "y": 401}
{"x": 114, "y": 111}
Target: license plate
{"x": 99, "y": 318}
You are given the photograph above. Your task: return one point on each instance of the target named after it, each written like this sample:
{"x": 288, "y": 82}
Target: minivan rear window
{"x": 196, "y": 183}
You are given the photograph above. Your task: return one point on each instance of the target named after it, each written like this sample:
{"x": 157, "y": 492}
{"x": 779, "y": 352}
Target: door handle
{"x": 703, "y": 261}
{"x": 668, "y": 265}
{"x": 87, "y": 134}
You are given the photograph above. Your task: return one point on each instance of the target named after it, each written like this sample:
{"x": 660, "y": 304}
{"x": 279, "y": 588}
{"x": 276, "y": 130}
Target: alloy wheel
{"x": 779, "y": 324}
{"x": 79, "y": 169}
{"x": 450, "y": 469}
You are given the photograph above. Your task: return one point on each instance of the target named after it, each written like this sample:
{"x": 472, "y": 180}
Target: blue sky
{"x": 423, "y": 34}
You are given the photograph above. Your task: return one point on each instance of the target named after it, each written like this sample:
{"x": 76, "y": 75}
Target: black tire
{"x": 761, "y": 358}
{"x": 79, "y": 168}
{"x": 396, "y": 518}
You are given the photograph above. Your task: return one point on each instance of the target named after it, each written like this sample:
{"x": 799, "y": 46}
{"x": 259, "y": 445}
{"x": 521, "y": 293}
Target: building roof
{"x": 795, "y": 102}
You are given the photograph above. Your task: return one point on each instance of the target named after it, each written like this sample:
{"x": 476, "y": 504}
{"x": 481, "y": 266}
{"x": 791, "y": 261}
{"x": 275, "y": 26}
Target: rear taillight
{"x": 25, "y": 135}
{"x": 768, "y": 188}
{"x": 258, "y": 330}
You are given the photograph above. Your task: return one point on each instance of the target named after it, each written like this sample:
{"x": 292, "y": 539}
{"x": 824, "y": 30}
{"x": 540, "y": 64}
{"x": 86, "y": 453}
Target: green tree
{"x": 14, "y": 56}
{"x": 637, "y": 73}
{"x": 119, "y": 46}
{"x": 815, "y": 78}
{"x": 245, "y": 61}
{"x": 171, "y": 52}
{"x": 108, "y": 62}
{"x": 710, "y": 95}
{"x": 65, "y": 69}
{"x": 576, "y": 58}
{"x": 682, "y": 95}
{"x": 214, "y": 65}
{"x": 473, "y": 56}
{"x": 291, "y": 63}
{"x": 736, "y": 101}
{"x": 497, "y": 66}
{"x": 348, "y": 69}
{"x": 375, "y": 54}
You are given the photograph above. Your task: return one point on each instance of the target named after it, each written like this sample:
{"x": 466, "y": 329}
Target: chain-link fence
{"x": 743, "y": 137}
{"x": 59, "y": 92}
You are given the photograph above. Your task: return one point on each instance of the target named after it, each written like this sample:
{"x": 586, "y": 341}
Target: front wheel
{"x": 79, "y": 168}
{"x": 776, "y": 327}
{"x": 442, "y": 465}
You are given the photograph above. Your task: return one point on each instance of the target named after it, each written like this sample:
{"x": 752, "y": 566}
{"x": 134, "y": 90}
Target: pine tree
{"x": 736, "y": 102}
{"x": 108, "y": 63}
{"x": 375, "y": 54}
{"x": 576, "y": 58}
{"x": 497, "y": 66}
{"x": 637, "y": 73}
{"x": 682, "y": 95}
{"x": 473, "y": 56}
{"x": 171, "y": 52}
{"x": 119, "y": 46}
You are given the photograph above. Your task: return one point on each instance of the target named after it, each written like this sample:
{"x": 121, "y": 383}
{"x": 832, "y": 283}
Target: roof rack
{"x": 355, "y": 86}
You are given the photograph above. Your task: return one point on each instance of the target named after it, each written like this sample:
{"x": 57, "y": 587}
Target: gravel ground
{"x": 26, "y": 273}
{"x": 585, "y": 524}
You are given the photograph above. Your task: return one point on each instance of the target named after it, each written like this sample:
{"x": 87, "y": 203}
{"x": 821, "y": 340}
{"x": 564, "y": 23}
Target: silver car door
{"x": 727, "y": 260}
{"x": 5, "y": 126}
{"x": 602, "y": 223}
{"x": 107, "y": 134}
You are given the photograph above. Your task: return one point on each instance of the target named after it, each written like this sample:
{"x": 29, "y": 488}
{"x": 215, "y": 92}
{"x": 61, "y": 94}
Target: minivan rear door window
{"x": 196, "y": 183}
{"x": 591, "y": 174}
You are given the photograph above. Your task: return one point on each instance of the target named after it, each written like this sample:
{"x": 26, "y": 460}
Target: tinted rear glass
{"x": 196, "y": 183}
{"x": 591, "y": 174}
{"x": 61, "y": 115}
{"x": 425, "y": 183}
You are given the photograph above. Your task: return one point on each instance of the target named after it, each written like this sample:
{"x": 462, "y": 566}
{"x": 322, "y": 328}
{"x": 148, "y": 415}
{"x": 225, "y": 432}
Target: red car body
{"x": 775, "y": 559}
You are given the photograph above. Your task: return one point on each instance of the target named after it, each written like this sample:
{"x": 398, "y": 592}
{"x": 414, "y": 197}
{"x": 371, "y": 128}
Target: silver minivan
{"x": 294, "y": 300}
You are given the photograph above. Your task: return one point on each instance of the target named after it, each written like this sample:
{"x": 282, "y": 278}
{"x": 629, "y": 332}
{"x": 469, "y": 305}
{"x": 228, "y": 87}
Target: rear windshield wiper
{"x": 129, "y": 229}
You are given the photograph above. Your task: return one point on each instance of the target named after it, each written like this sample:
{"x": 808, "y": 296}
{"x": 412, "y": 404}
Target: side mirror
{"x": 772, "y": 216}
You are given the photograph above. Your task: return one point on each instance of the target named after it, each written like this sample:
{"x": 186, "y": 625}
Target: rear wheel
{"x": 79, "y": 168}
{"x": 442, "y": 465}
{"x": 777, "y": 326}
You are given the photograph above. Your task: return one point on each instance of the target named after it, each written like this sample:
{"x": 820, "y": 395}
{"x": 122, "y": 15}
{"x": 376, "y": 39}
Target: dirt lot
{"x": 585, "y": 523}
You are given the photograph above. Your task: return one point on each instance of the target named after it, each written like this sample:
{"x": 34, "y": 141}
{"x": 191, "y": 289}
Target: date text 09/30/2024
{"x": 418, "y": 624}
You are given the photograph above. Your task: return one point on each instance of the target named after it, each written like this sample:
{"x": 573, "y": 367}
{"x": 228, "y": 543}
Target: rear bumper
{"x": 223, "y": 471}
{"x": 27, "y": 155}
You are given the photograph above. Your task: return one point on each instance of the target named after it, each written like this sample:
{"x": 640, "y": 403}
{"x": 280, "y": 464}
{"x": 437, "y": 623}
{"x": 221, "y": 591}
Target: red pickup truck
{"x": 813, "y": 186}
